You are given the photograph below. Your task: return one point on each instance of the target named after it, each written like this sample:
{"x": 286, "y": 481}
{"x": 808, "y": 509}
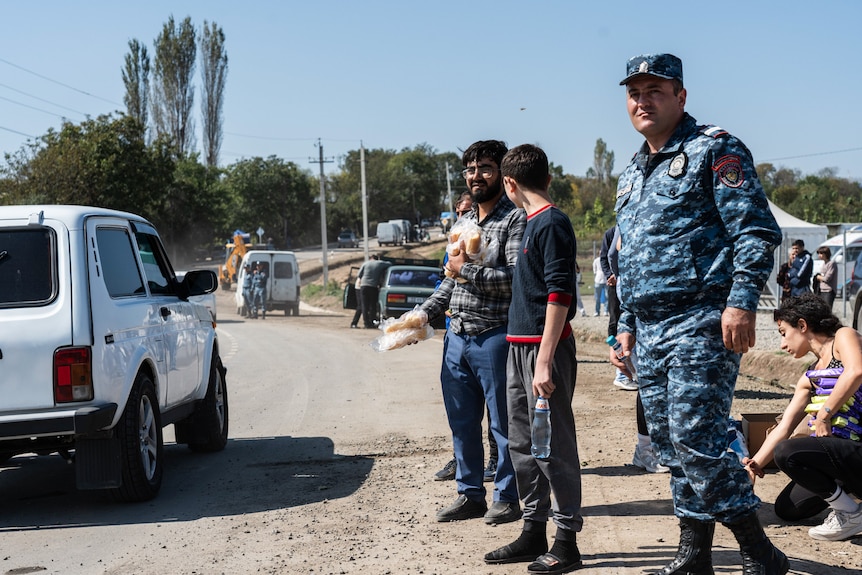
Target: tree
{"x": 173, "y": 91}
{"x": 275, "y": 195}
{"x": 214, "y": 71}
{"x": 603, "y": 164}
{"x": 101, "y": 162}
{"x": 136, "y": 78}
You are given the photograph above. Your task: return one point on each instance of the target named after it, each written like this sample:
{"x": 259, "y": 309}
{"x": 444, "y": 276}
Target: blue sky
{"x": 781, "y": 75}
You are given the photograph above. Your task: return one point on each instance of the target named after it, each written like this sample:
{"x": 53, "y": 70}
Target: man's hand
{"x": 612, "y": 281}
{"x": 737, "y": 329}
{"x": 454, "y": 263}
{"x": 627, "y": 341}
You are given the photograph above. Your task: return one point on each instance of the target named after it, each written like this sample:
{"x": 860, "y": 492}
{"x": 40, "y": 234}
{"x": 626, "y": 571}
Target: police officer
{"x": 697, "y": 248}
{"x": 247, "y": 296}
{"x": 258, "y": 287}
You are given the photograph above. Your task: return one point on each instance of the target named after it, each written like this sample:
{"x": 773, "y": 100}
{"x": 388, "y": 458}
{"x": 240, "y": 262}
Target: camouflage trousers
{"x": 686, "y": 379}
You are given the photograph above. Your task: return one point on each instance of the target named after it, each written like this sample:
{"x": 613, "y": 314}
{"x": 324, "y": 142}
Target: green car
{"x": 405, "y": 286}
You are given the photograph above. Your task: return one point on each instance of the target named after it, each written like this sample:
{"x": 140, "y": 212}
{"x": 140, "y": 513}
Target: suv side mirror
{"x": 199, "y": 282}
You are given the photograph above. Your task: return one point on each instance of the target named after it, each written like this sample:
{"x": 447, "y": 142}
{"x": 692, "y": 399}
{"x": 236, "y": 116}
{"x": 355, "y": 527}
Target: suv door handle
{"x": 165, "y": 312}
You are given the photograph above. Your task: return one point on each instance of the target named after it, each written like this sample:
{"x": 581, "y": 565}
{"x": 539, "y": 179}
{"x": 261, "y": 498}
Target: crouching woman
{"x": 825, "y": 464}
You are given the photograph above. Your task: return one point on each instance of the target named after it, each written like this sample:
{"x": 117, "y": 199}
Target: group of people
{"x": 694, "y": 247}
{"x": 254, "y": 290}
{"x": 796, "y": 276}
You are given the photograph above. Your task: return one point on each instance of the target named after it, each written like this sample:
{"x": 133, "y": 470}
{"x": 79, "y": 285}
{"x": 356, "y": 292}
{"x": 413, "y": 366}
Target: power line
{"x": 16, "y": 132}
{"x": 32, "y": 107}
{"x": 812, "y": 155}
{"x": 42, "y": 99}
{"x": 58, "y": 82}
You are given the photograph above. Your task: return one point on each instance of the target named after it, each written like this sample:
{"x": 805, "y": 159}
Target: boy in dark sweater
{"x": 541, "y": 362}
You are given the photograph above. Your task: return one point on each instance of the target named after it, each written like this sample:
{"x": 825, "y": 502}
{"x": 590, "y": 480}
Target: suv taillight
{"x": 73, "y": 375}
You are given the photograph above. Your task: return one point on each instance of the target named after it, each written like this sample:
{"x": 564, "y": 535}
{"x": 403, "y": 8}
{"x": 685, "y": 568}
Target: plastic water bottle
{"x": 541, "y": 429}
{"x": 618, "y": 350}
{"x": 736, "y": 440}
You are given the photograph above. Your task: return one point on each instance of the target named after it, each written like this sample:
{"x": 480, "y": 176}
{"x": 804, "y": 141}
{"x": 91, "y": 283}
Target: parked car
{"x": 107, "y": 347}
{"x": 207, "y": 300}
{"x": 347, "y": 239}
{"x": 404, "y": 287}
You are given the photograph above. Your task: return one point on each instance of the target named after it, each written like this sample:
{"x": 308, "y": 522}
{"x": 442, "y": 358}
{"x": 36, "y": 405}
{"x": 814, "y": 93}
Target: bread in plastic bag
{"x": 411, "y": 327}
{"x": 479, "y": 247}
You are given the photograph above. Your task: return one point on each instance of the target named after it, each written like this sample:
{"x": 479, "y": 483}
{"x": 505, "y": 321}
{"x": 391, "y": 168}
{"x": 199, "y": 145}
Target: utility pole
{"x": 449, "y": 188}
{"x": 364, "y": 198}
{"x": 323, "y": 245}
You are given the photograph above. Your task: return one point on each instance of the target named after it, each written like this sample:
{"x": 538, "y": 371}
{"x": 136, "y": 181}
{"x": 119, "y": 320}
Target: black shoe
{"x": 490, "y": 471}
{"x": 527, "y": 547}
{"x": 353, "y": 326}
{"x": 694, "y": 555}
{"x": 463, "y": 508}
{"x": 759, "y": 555}
{"x": 563, "y": 557}
{"x": 502, "y": 512}
{"x": 448, "y": 471}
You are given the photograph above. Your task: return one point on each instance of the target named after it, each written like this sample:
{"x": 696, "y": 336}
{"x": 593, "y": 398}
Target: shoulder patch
{"x": 729, "y": 170}
{"x": 713, "y": 131}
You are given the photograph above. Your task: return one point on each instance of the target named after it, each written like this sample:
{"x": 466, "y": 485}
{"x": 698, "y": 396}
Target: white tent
{"x": 792, "y": 229}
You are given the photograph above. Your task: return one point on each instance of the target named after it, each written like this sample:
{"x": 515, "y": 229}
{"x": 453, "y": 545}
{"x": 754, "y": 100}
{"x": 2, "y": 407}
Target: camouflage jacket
{"x": 695, "y": 225}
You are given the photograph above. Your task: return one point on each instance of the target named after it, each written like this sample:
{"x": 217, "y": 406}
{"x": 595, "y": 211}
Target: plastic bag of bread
{"x": 475, "y": 243}
{"x": 411, "y": 327}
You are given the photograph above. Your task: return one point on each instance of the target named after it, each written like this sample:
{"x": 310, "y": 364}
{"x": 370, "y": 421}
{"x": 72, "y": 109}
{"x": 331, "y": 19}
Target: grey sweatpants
{"x": 561, "y": 472}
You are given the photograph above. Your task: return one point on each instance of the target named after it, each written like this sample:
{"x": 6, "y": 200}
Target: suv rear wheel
{"x": 140, "y": 434}
{"x": 206, "y": 429}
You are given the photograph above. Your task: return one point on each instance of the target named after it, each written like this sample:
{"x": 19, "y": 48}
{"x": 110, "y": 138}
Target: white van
{"x": 406, "y": 228}
{"x": 282, "y": 283}
{"x": 389, "y": 233}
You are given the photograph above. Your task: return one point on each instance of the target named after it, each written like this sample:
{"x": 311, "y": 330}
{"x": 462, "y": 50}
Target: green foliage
{"x": 101, "y": 162}
{"x": 173, "y": 91}
{"x": 214, "y": 73}
{"x": 410, "y": 184}
{"x": 275, "y": 195}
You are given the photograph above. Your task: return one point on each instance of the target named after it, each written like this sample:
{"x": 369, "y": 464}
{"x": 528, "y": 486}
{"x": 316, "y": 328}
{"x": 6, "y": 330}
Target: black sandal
{"x": 549, "y": 564}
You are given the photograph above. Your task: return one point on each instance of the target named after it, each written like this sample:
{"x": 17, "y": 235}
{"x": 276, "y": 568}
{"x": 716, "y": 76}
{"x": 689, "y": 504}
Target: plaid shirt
{"x": 482, "y": 303}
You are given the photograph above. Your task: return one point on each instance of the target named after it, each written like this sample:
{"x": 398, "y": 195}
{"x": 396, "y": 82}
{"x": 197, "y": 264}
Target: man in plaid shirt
{"x": 475, "y": 348}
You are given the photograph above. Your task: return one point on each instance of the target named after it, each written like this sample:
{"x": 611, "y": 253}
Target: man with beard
{"x": 475, "y": 347}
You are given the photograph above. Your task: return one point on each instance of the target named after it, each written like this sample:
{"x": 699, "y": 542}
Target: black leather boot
{"x": 694, "y": 556}
{"x": 759, "y": 555}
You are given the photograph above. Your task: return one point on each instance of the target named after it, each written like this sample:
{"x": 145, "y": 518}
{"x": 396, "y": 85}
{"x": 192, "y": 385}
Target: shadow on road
{"x": 249, "y": 476}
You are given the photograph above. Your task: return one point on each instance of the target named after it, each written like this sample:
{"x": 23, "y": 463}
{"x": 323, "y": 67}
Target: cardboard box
{"x": 755, "y": 426}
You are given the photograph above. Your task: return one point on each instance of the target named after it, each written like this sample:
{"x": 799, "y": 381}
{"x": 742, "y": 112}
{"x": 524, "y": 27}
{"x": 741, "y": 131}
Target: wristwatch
{"x": 828, "y": 411}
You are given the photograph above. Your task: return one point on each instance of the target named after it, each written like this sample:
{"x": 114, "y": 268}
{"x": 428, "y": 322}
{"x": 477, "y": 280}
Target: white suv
{"x": 101, "y": 348}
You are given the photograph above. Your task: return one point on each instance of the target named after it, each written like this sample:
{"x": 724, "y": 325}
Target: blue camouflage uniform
{"x": 258, "y": 290}
{"x": 697, "y": 236}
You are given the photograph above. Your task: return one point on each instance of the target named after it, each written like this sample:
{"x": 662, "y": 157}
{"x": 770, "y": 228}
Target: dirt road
{"x": 329, "y": 471}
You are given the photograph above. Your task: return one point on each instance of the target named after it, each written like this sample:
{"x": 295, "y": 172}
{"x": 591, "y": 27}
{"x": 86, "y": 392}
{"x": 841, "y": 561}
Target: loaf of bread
{"x": 407, "y": 321}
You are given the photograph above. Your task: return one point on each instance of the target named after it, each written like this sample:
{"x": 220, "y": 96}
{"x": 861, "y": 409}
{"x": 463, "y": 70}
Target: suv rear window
{"x": 27, "y": 267}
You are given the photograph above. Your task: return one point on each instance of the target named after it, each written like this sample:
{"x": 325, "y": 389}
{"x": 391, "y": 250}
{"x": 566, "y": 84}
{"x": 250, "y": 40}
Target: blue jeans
{"x": 473, "y": 376}
{"x": 600, "y": 297}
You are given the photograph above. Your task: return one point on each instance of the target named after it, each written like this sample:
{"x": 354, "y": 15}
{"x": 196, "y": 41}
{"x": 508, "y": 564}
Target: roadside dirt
{"x": 629, "y": 524}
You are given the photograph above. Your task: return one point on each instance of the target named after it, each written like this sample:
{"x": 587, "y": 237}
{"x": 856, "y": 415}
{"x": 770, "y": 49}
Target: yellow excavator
{"x": 228, "y": 271}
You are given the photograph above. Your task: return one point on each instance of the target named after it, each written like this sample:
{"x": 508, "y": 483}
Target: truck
{"x": 389, "y": 234}
{"x": 234, "y": 252}
{"x": 282, "y": 282}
